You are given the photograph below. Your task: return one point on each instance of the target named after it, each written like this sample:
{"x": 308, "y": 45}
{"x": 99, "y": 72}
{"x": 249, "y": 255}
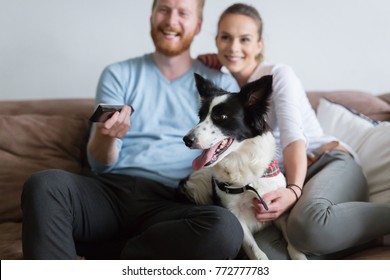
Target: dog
{"x": 237, "y": 163}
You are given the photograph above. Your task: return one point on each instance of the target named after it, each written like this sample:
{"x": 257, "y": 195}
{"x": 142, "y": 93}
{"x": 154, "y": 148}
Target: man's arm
{"x": 105, "y": 142}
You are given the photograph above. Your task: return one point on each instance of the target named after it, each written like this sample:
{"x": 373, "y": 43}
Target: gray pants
{"x": 333, "y": 215}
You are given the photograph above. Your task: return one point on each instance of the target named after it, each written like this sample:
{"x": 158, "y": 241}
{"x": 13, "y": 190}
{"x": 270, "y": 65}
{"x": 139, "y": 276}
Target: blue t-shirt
{"x": 164, "y": 112}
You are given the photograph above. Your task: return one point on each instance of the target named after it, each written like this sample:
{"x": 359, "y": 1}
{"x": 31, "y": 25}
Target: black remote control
{"x": 104, "y": 112}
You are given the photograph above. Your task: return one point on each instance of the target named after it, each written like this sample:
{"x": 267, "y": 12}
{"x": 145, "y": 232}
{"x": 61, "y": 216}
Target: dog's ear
{"x": 258, "y": 92}
{"x": 206, "y": 88}
{"x": 256, "y": 97}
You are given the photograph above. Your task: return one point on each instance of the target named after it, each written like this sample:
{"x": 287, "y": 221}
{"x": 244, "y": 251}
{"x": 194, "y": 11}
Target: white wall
{"x": 58, "y": 48}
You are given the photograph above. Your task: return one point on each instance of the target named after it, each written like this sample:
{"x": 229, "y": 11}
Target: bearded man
{"x": 128, "y": 206}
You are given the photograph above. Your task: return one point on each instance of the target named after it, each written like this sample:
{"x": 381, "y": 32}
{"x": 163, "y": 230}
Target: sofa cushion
{"x": 11, "y": 241}
{"x": 81, "y": 108}
{"x": 370, "y": 139}
{"x": 31, "y": 143}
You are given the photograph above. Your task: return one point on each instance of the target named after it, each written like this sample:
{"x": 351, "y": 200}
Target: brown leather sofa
{"x": 41, "y": 134}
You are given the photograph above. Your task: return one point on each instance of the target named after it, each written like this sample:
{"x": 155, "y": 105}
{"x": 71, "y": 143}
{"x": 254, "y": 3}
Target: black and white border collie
{"x": 239, "y": 156}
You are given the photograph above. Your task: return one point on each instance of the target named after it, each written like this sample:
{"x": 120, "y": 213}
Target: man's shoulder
{"x": 130, "y": 62}
{"x": 221, "y": 79}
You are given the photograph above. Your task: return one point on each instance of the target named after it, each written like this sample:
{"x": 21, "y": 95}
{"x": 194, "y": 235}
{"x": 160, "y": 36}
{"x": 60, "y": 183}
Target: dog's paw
{"x": 261, "y": 256}
{"x": 295, "y": 254}
{"x": 254, "y": 253}
{"x": 257, "y": 254}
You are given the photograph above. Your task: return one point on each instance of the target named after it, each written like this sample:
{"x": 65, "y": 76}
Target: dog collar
{"x": 225, "y": 187}
{"x": 272, "y": 170}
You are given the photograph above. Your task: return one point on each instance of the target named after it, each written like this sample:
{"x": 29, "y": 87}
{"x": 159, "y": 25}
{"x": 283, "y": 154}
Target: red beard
{"x": 167, "y": 47}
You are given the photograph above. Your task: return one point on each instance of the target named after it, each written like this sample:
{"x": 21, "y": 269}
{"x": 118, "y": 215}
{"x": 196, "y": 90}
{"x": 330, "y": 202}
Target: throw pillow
{"x": 369, "y": 138}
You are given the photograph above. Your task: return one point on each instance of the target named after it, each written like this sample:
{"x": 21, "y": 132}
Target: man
{"x": 130, "y": 208}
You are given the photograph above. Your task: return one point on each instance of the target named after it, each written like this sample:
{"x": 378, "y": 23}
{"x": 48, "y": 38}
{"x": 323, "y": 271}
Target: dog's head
{"x": 227, "y": 119}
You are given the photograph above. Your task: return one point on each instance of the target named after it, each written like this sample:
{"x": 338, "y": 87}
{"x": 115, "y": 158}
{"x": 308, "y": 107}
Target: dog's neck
{"x": 248, "y": 162}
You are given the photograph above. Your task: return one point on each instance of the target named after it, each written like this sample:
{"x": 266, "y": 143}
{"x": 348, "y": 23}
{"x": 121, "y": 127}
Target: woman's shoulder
{"x": 281, "y": 69}
{"x": 283, "y": 73}
{"x": 278, "y": 71}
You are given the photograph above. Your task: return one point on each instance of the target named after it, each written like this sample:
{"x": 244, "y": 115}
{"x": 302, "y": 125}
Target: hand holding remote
{"x": 113, "y": 121}
{"x": 103, "y": 112}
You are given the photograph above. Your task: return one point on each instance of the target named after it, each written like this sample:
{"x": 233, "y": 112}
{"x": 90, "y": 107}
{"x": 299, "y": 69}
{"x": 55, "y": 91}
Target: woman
{"x": 326, "y": 191}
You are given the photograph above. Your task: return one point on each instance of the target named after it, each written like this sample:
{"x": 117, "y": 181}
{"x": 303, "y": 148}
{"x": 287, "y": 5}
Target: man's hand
{"x": 102, "y": 144}
{"x": 118, "y": 125}
{"x": 278, "y": 201}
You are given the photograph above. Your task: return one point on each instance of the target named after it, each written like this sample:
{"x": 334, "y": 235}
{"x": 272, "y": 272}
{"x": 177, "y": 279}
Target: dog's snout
{"x": 188, "y": 140}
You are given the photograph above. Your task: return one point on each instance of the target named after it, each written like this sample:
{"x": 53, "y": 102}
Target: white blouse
{"x": 291, "y": 116}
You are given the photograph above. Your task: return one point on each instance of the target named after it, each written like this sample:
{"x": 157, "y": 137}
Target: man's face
{"x": 174, "y": 24}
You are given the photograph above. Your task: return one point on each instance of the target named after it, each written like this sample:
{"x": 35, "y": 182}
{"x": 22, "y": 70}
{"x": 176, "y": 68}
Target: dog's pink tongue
{"x": 204, "y": 158}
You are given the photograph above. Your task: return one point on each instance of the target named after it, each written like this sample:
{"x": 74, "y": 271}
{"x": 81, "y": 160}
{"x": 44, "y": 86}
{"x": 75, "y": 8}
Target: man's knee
{"x": 225, "y": 235}
{"x": 41, "y": 185}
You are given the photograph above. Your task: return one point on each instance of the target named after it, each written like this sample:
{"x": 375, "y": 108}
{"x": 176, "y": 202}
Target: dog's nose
{"x": 188, "y": 140}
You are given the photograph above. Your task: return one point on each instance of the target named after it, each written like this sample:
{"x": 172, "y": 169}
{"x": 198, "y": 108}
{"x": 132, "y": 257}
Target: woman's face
{"x": 238, "y": 44}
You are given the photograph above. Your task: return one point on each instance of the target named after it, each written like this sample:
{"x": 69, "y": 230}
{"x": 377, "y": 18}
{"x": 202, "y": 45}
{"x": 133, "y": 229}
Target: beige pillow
{"x": 370, "y": 140}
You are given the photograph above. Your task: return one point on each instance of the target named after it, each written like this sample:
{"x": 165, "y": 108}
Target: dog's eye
{"x": 220, "y": 117}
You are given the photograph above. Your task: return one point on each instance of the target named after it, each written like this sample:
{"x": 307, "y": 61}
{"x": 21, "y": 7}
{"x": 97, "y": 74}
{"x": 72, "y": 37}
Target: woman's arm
{"x": 295, "y": 166}
{"x": 288, "y": 97}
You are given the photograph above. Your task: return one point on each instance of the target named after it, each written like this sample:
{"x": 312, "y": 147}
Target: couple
{"x": 129, "y": 208}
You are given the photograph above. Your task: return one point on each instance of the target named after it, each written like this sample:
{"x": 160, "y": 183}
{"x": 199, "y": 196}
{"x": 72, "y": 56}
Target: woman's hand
{"x": 278, "y": 201}
{"x": 210, "y": 60}
{"x": 282, "y": 199}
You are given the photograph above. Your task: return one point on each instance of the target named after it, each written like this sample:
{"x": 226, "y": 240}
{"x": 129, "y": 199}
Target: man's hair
{"x": 200, "y": 7}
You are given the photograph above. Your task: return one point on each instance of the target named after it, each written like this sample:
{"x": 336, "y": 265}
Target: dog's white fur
{"x": 240, "y": 164}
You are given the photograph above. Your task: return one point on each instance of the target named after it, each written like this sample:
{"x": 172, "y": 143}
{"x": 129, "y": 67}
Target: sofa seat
{"x": 42, "y": 134}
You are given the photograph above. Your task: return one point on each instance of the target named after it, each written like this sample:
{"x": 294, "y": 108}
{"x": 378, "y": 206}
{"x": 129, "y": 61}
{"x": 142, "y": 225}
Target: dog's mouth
{"x": 211, "y": 155}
